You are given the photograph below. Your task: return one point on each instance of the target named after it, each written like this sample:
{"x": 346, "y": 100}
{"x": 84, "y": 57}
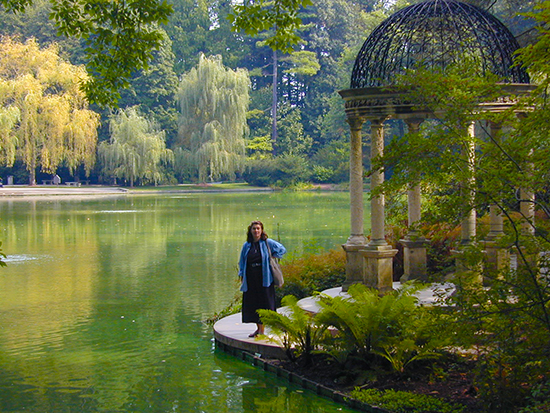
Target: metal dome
{"x": 436, "y": 33}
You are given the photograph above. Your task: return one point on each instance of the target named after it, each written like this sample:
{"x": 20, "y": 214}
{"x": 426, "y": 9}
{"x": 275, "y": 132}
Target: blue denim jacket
{"x": 277, "y": 250}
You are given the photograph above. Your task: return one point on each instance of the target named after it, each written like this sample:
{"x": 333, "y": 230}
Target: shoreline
{"x": 11, "y": 192}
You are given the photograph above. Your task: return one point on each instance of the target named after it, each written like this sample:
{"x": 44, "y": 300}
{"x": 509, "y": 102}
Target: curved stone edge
{"x": 230, "y": 332}
{"x": 294, "y": 378}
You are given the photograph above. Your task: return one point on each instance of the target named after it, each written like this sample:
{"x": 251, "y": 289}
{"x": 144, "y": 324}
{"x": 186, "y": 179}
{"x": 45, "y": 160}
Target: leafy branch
{"x": 280, "y": 16}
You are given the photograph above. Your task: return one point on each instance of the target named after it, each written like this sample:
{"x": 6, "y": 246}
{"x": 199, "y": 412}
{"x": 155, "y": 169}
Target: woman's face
{"x": 256, "y": 231}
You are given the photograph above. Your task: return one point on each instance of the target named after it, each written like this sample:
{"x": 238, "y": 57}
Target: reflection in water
{"x": 102, "y": 302}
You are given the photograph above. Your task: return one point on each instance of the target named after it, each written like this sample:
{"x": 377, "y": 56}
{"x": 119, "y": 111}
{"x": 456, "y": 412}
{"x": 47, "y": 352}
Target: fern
{"x": 364, "y": 319}
{"x": 294, "y": 329}
{"x": 401, "y": 352}
{"x": 392, "y": 326}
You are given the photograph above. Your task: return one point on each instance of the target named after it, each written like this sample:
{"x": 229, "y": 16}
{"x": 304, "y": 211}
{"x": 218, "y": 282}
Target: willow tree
{"x": 137, "y": 149}
{"x": 9, "y": 116}
{"x": 54, "y": 125}
{"x": 213, "y": 101}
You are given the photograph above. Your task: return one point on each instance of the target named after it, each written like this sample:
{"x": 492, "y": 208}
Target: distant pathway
{"x": 12, "y": 191}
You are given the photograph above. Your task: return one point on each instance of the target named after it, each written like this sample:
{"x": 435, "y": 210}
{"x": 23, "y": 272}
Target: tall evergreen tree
{"x": 188, "y": 29}
{"x": 154, "y": 88}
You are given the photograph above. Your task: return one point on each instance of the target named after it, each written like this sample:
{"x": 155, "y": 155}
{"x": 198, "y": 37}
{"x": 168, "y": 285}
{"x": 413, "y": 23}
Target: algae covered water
{"x": 103, "y": 300}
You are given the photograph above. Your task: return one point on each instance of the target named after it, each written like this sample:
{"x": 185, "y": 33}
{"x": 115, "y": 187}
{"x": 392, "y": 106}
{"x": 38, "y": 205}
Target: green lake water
{"x": 103, "y": 300}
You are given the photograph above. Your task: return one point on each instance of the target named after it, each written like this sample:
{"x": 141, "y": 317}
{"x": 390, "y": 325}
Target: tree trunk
{"x": 32, "y": 174}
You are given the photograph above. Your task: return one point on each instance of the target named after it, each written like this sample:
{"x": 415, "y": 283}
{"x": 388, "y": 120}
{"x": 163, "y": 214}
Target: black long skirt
{"x": 257, "y": 297}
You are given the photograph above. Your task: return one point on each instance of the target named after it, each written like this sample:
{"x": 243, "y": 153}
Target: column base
{"x": 467, "y": 271}
{"x": 498, "y": 257}
{"x": 369, "y": 265}
{"x": 414, "y": 259}
{"x": 354, "y": 264}
{"x": 356, "y": 240}
{"x": 378, "y": 269}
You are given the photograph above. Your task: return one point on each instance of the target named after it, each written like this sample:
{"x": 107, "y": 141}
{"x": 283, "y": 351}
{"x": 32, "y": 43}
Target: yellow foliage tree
{"x": 44, "y": 116}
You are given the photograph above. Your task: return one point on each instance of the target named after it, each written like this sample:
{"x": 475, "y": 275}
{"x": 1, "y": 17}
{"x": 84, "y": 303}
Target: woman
{"x": 254, "y": 269}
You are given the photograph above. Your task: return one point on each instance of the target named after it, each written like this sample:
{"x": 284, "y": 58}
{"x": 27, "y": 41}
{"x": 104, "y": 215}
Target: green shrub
{"x": 282, "y": 171}
{"x": 331, "y": 163}
{"x": 508, "y": 322}
{"x": 404, "y": 402}
{"x": 539, "y": 401}
{"x": 290, "y": 169}
{"x": 442, "y": 239}
{"x": 312, "y": 273}
{"x": 259, "y": 172}
{"x": 322, "y": 174}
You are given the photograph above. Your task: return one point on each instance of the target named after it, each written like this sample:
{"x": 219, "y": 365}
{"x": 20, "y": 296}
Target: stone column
{"x": 527, "y": 201}
{"x": 378, "y": 254}
{"x": 527, "y": 209}
{"x": 414, "y": 208}
{"x": 414, "y": 245}
{"x": 497, "y": 257}
{"x": 377, "y": 218}
{"x": 356, "y": 183}
{"x": 356, "y": 241}
{"x": 469, "y": 219}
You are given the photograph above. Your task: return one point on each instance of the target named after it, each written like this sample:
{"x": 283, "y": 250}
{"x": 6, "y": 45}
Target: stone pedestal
{"x": 378, "y": 270}
{"x": 467, "y": 271}
{"x": 355, "y": 265}
{"x": 414, "y": 259}
{"x": 497, "y": 258}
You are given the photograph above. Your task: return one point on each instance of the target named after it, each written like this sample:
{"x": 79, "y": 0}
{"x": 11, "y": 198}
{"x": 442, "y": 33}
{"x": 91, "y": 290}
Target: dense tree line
{"x": 295, "y": 126}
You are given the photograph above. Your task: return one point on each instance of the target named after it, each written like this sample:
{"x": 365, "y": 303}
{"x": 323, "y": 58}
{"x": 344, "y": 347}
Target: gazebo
{"x": 434, "y": 34}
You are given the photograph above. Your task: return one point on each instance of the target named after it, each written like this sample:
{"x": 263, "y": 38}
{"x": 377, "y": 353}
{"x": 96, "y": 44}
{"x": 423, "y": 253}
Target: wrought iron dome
{"x": 436, "y": 33}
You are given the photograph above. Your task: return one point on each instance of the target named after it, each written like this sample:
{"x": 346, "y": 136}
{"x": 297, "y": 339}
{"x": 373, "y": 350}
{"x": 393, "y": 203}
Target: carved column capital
{"x": 355, "y": 123}
{"x": 376, "y": 123}
{"x": 414, "y": 124}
